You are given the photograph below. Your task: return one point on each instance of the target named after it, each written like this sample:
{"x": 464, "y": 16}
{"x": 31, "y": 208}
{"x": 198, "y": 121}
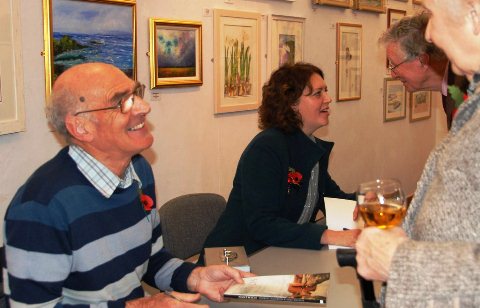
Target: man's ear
{"x": 424, "y": 58}
{"x": 78, "y": 127}
{"x": 474, "y": 18}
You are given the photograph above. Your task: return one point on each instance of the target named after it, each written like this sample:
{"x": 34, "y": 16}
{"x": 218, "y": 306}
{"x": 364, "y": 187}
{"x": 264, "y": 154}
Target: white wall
{"x": 196, "y": 151}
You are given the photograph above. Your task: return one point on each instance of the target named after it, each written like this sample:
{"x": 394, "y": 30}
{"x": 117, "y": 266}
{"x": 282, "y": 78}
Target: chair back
{"x": 187, "y": 220}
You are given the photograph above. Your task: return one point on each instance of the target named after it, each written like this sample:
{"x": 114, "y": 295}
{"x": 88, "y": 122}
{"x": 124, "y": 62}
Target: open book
{"x": 296, "y": 288}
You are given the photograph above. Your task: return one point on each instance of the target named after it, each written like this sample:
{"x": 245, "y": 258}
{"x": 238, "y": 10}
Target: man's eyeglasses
{"x": 392, "y": 67}
{"x": 125, "y": 104}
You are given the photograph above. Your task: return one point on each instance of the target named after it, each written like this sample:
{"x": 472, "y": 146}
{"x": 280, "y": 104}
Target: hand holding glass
{"x": 381, "y": 203}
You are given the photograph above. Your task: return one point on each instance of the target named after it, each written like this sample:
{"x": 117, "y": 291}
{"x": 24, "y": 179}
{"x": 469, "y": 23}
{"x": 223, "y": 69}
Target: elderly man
{"x": 83, "y": 229}
{"x": 420, "y": 65}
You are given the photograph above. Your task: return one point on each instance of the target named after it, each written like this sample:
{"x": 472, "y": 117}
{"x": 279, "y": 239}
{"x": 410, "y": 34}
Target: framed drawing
{"x": 12, "y": 110}
{"x": 236, "y": 60}
{"x": 394, "y": 15}
{"x": 80, "y": 31}
{"x": 341, "y": 3}
{"x": 420, "y": 105}
{"x": 349, "y": 61}
{"x": 371, "y": 5}
{"x": 394, "y": 100}
{"x": 175, "y": 53}
{"x": 285, "y": 41}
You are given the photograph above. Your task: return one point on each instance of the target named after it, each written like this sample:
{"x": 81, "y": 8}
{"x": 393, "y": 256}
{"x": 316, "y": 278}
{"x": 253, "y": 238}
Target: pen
{"x": 344, "y": 229}
{"x": 170, "y": 294}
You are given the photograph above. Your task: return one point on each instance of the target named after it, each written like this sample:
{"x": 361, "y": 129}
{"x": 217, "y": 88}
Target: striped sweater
{"x": 66, "y": 244}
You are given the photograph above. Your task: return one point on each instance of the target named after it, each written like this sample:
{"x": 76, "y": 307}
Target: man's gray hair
{"x": 62, "y": 102}
{"x": 409, "y": 33}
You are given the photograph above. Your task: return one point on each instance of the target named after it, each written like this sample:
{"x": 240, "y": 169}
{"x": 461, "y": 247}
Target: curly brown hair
{"x": 281, "y": 93}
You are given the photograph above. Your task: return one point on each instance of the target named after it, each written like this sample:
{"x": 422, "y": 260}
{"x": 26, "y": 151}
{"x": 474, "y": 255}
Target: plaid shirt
{"x": 104, "y": 180}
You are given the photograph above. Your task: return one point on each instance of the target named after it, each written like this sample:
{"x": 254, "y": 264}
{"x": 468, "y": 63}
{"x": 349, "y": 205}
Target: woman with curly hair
{"x": 282, "y": 175}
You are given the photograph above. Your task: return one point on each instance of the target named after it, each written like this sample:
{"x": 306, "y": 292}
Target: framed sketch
{"x": 370, "y": 5}
{"x": 175, "y": 53}
{"x": 394, "y": 15}
{"x": 420, "y": 105}
{"x": 12, "y": 110}
{"x": 349, "y": 61}
{"x": 341, "y": 3}
{"x": 394, "y": 100}
{"x": 285, "y": 41}
{"x": 237, "y": 59}
{"x": 80, "y": 31}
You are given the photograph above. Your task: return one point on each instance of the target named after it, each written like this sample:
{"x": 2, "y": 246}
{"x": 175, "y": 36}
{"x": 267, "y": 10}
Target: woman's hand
{"x": 340, "y": 238}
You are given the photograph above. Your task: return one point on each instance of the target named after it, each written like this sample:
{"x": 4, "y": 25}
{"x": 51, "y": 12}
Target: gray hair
{"x": 62, "y": 102}
{"x": 409, "y": 33}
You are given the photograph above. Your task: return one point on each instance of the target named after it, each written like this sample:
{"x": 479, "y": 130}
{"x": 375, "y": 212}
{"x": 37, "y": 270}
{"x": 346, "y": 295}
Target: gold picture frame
{"x": 70, "y": 38}
{"x": 174, "y": 64}
{"x": 394, "y": 100}
{"x": 286, "y": 36}
{"x": 349, "y": 62}
{"x": 420, "y": 105}
{"x": 377, "y": 6}
{"x": 339, "y": 3}
{"x": 237, "y": 61}
{"x": 12, "y": 106}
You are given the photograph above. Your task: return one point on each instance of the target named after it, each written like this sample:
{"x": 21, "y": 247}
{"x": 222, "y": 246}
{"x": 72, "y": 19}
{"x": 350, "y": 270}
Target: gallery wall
{"x": 196, "y": 150}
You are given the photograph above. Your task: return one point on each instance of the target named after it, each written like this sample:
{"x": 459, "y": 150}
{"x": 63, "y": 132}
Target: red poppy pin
{"x": 458, "y": 97}
{"x": 294, "y": 178}
{"x": 146, "y": 201}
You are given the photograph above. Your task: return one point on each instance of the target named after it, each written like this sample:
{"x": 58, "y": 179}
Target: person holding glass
{"x": 282, "y": 176}
{"x": 434, "y": 261}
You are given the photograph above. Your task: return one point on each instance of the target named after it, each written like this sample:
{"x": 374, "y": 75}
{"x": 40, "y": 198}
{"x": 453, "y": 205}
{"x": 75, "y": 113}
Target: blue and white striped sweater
{"x": 67, "y": 244}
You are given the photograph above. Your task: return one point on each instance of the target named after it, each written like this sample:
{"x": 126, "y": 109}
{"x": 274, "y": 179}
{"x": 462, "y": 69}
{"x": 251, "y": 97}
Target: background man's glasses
{"x": 124, "y": 104}
{"x": 392, "y": 67}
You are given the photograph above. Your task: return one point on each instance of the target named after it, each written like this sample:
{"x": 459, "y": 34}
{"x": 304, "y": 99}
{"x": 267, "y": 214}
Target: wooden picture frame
{"x": 377, "y": 6}
{"x": 237, "y": 61}
{"x": 286, "y": 36}
{"x": 107, "y": 35}
{"x": 12, "y": 106}
{"x": 394, "y": 15}
{"x": 394, "y": 100}
{"x": 349, "y": 62}
{"x": 339, "y": 3}
{"x": 172, "y": 63}
{"x": 420, "y": 105}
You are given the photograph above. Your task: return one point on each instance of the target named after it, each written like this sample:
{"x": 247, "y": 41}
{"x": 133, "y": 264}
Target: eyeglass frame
{"x": 392, "y": 68}
{"x": 138, "y": 91}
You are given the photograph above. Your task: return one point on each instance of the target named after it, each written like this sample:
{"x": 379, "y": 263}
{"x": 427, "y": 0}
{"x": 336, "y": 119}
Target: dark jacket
{"x": 261, "y": 211}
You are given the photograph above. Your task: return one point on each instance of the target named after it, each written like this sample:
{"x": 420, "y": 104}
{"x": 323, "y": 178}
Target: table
{"x": 344, "y": 290}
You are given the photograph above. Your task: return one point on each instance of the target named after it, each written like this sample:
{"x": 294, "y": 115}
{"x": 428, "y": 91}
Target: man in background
{"x": 421, "y": 65}
{"x": 84, "y": 229}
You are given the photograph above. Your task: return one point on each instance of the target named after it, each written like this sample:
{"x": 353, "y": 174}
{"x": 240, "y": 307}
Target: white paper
{"x": 340, "y": 216}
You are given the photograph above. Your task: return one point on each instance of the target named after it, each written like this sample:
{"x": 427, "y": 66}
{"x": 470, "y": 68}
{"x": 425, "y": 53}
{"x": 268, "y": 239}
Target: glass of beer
{"x": 382, "y": 203}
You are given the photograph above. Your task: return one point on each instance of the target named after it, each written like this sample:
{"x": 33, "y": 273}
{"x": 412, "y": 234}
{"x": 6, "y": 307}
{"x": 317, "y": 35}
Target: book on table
{"x": 232, "y": 256}
{"x": 311, "y": 288}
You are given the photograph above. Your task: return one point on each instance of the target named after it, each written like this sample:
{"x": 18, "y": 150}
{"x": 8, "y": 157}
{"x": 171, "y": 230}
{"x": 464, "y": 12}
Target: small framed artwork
{"x": 349, "y": 61}
{"x": 237, "y": 65}
{"x": 420, "y": 105}
{"x": 80, "y": 31}
{"x": 175, "y": 53}
{"x": 394, "y": 100}
{"x": 285, "y": 41}
{"x": 394, "y": 15}
{"x": 340, "y": 3}
{"x": 370, "y": 5}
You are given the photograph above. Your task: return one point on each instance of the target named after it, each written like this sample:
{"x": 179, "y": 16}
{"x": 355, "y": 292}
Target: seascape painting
{"x": 176, "y": 52}
{"x": 85, "y": 31}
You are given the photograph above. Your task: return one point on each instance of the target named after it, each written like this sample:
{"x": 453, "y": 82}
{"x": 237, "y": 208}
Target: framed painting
{"x": 286, "y": 37}
{"x": 340, "y": 3}
{"x": 371, "y": 5}
{"x": 349, "y": 61}
{"x": 12, "y": 107}
{"x": 420, "y": 105}
{"x": 394, "y": 15}
{"x": 81, "y": 31}
{"x": 175, "y": 53}
{"x": 394, "y": 100}
{"x": 237, "y": 59}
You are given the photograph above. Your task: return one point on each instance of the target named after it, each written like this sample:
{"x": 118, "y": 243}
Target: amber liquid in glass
{"x": 382, "y": 216}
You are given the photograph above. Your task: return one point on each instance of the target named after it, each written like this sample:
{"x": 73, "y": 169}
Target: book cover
{"x": 232, "y": 256}
{"x": 295, "y": 288}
